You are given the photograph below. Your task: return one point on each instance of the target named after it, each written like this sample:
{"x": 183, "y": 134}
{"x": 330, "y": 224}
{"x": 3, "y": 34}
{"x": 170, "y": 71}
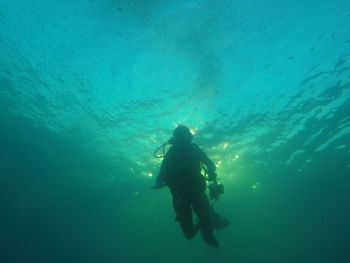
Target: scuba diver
{"x": 181, "y": 171}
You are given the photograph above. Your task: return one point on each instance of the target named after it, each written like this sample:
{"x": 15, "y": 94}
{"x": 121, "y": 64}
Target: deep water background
{"x": 89, "y": 89}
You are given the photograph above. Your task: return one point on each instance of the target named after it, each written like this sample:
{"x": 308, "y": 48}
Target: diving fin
{"x": 219, "y": 221}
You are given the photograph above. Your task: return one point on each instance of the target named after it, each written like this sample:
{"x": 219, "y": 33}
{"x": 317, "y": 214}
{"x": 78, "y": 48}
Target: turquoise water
{"x": 89, "y": 89}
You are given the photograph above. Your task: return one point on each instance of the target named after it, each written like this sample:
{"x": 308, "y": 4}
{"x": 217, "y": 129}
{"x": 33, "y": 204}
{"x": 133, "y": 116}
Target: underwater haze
{"x": 90, "y": 88}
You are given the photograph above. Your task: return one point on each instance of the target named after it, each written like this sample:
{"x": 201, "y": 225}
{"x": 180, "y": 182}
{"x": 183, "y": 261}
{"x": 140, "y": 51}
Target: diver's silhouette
{"x": 181, "y": 172}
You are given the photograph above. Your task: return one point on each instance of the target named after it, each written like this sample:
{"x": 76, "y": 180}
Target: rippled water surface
{"x": 89, "y": 89}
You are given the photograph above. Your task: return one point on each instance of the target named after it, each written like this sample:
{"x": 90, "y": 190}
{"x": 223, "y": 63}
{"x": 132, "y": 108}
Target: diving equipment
{"x": 168, "y": 142}
{"x": 215, "y": 190}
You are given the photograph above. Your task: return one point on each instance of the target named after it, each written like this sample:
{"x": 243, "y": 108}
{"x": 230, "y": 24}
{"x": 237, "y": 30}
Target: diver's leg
{"x": 183, "y": 212}
{"x": 202, "y": 210}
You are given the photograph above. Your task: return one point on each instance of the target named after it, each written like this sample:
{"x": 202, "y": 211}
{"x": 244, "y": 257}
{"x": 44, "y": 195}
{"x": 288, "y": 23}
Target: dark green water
{"x": 89, "y": 89}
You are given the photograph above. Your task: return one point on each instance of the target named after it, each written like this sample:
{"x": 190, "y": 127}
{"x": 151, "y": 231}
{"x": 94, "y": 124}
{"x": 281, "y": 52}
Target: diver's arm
{"x": 210, "y": 169}
{"x": 209, "y": 164}
{"x": 159, "y": 183}
{"x": 160, "y": 178}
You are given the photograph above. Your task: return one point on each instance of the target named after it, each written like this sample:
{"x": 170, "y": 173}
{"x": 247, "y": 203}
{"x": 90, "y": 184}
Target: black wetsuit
{"x": 181, "y": 171}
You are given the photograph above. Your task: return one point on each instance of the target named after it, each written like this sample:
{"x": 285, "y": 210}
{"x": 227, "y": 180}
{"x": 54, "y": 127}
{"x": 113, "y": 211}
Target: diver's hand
{"x": 212, "y": 177}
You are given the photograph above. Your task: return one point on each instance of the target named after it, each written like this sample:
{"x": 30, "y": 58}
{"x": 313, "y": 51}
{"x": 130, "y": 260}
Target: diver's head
{"x": 182, "y": 134}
